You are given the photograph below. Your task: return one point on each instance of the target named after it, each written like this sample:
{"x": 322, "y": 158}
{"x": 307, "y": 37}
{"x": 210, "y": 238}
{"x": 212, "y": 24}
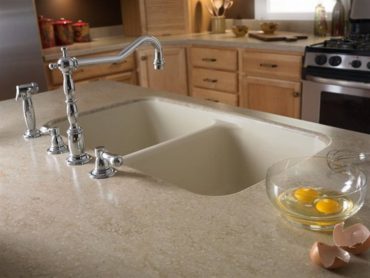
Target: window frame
{"x": 262, "y": 13}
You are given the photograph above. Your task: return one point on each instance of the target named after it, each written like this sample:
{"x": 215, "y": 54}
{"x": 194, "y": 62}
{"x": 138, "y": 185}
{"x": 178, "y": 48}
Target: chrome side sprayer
{"x": 25, "y": 91}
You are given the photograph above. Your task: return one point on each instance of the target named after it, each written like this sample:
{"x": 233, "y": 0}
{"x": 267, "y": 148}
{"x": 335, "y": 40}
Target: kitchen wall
{"x": 98, "y": 13}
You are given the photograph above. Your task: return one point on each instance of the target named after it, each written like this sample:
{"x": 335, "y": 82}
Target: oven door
{"x": 337, "y": 103}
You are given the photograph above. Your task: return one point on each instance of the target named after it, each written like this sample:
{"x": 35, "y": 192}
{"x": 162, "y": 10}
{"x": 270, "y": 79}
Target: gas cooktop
{"x": 351, "y": 53}
{"x": 352, "y": 43}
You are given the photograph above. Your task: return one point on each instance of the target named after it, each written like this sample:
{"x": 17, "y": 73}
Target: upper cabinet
{"x": 155, "y": 17}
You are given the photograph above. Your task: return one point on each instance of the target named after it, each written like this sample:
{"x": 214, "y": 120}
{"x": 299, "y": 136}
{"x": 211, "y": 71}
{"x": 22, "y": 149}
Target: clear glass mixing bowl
{"x": 307, "y": 192}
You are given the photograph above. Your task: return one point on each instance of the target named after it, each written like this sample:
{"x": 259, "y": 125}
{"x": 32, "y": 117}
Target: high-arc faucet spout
{"x": 158, "y": 62}
{"x": 66, "y": 64}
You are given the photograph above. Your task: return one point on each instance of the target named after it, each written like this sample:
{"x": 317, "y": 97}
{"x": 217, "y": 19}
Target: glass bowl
{"x": 308, "y": 193}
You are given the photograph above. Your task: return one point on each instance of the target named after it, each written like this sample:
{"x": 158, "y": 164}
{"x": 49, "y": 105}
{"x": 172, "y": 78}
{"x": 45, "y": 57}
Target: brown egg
{"x": 355, "y": 239}
{"x": 328, "y": 256}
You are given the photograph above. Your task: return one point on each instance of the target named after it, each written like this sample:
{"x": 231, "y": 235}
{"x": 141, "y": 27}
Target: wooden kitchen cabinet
{"x": 214, "y": 74}
{"x": 270, "y": 95}
{"x": 172, "y": 78}
{"x": 271, "y": 82}
{"x": 155, "y": 17}
{"x": 123, "y": 71}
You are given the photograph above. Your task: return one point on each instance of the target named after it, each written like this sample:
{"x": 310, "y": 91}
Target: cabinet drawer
{"x": 126, "y": 77}
{"x": 215, "y": 96}
{"x": 222, "y": 59}
{"x": 88, "y": 72}
{"x": 279, "y": 66}
{"x": 215, "y": 80}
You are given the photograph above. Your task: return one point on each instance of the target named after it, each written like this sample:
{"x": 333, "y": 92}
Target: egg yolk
{"x": 328, "y": 206}
{"x": 305, "y": 194}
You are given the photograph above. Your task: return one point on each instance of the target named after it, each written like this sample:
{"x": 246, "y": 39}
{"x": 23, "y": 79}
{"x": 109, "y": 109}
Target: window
{"x": 289, "y": 9}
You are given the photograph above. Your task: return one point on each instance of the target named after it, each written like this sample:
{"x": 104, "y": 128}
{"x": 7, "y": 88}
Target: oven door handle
{"x": 344, "y": 83}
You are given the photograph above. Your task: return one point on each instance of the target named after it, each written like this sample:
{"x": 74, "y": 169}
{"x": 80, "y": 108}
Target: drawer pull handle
{"x": 209, "y": 80}
{"x": 296, "y": 94}
{"x": 267, "y": 65}
{"x": 118, "y": 63}
{"x": 211, "y": 60}
{"x": 144, "y": 58}
{"x": 211, "y": 99}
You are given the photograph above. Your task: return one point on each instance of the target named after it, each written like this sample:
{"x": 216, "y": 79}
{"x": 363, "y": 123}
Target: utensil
{"x": 210, "y": 10}
{"x": 228, "y": 4}
{"x": 218, "y": 4}
{"x": 340, "y": 160}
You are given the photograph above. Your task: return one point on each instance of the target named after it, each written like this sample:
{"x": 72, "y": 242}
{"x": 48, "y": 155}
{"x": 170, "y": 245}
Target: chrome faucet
{"x": 66, "y": 64}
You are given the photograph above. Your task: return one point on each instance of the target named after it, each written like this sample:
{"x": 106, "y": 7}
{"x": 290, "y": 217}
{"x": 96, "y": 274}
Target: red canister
{"x": 46, "y": 32}
{"x": 63, "y": 31}
{"x": 81, "y": 31}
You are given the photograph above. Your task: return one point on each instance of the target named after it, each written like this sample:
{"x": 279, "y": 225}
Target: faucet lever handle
{"x": 105, "y": 163}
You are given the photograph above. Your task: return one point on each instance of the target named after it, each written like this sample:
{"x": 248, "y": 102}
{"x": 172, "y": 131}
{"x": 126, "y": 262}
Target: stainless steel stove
{"x": 336, "y": 77}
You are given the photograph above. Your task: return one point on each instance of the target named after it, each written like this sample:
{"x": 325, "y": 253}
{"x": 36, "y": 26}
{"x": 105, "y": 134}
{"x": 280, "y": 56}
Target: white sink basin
{"x": 128, "y": 127}
{"x": 204, "y": 151}
{"x": 223, "y": 159}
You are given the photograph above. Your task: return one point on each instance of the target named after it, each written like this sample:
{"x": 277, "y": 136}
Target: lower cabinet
{"x": 173, "y": 78}
{"x": 270, "y": 95}
{"x": 122, "y": 71}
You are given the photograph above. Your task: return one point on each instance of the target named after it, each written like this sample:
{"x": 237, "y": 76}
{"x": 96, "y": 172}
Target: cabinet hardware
{"x": 144, "y": 58}
{"x": 210, "y": 80}
{"x": 118, "y": 63}
{"x": 212, "y": 60}
{"x": 267, "y": 65}
{"x": 80, "y": 70}
{"x": 296, "y": 94}
{"x": 213, "y": 100}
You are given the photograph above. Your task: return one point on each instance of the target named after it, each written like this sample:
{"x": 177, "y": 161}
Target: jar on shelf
{"x": 338, "y": 19}
{"x": 321, "y": 26}
{"x": 63, "y": 31}
{"x": 81, "y": 31}
{"x": 47, "y": 34}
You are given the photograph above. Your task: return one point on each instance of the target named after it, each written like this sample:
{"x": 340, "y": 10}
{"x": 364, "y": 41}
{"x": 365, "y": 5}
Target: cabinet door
{"x": 155, "y": 17}
{"x": 273, "y": 96}
{"x": 166, "y": 17}
{"x": 172, "y": 78}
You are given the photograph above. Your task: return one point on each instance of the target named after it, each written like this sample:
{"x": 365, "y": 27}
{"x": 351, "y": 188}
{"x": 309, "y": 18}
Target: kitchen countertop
{"x": 56, "y": 221}
{"x": 220, "y": 40}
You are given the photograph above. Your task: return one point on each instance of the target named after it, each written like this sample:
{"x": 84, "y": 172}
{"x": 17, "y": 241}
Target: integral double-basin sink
{"x": 200, "y": 149}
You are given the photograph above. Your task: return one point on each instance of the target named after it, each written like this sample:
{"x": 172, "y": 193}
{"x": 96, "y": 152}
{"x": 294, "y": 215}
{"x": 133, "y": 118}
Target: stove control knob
{"x": 335, "y": 61}
{"x": 356, "y": 64}
{"x": 320, "y": 59}
{"x": 368, "y": 65}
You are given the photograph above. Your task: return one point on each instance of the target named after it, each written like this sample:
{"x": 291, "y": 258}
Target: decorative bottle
{"x": 338, "y": 19}
{"x": 321, "y": 26}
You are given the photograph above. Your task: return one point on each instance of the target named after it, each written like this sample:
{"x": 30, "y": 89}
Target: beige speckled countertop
{"x": 57, "y": 222}
{"x": 220, "y": 40}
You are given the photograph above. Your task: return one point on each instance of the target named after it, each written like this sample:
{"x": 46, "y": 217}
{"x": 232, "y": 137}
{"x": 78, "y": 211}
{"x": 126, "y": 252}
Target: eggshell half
{"x": 328, "y": 256}
{"x": 354, "y": 239}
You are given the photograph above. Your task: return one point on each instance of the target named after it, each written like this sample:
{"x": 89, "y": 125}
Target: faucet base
{"x": 102, "y": 174}
{"x": 32, "y": 133}
{"x": 78, "y": 160}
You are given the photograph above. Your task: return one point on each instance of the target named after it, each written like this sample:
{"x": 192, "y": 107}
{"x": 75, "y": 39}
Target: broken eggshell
{"x": 328, "y": 256}
{"x": 354, "y": 239}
